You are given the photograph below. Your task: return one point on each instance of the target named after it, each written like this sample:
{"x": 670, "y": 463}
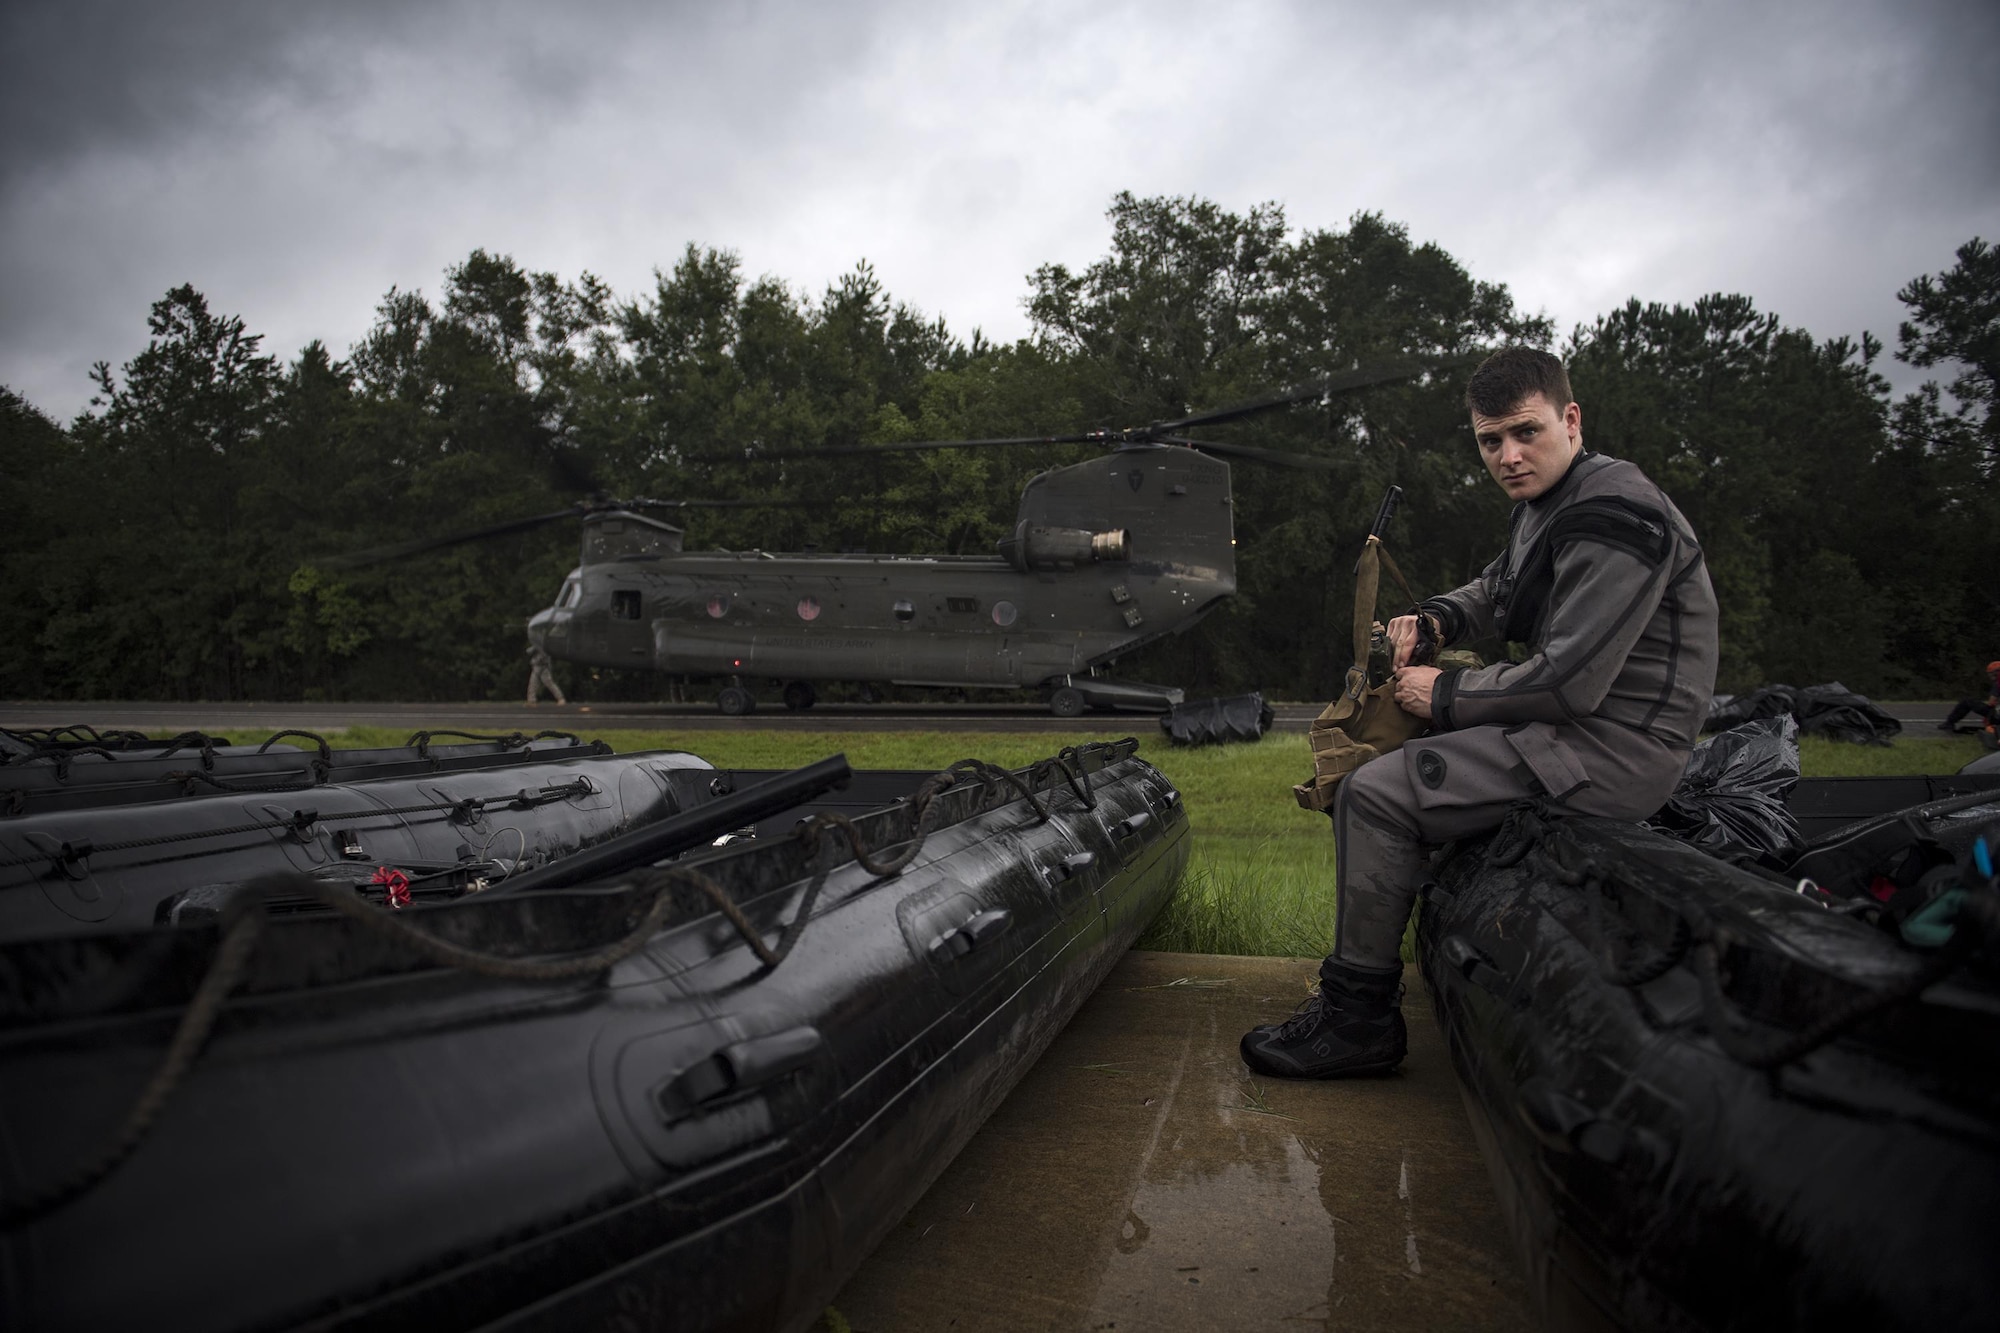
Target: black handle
{"x": 1565, "y": 1125}
{"x": 1069, "y": 867}
{"x": 1474, "y": 965}
{"x": 976, "y": 931}
{"x": 1387, "y": 511}
{"x": 737, "y": 1068}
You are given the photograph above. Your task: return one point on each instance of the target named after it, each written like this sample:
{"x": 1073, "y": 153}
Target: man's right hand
{"x": 1403, "y": 640}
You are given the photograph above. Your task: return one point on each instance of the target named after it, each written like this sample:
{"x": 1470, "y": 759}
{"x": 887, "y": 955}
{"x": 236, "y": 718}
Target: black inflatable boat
{"x": 1717, "y": 1097}
{"x": 606, "y": 1091}
{"x": 118, "y": 831}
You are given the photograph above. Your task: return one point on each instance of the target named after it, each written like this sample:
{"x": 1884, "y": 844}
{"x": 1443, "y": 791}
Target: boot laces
{"x": 1304, "y": 1019}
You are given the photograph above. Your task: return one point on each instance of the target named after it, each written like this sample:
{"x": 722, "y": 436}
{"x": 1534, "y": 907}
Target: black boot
{"x": 1353, "y": 1025}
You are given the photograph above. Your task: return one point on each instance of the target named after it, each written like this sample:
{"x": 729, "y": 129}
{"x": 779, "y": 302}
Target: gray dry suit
{"x": 1604, "y": 580}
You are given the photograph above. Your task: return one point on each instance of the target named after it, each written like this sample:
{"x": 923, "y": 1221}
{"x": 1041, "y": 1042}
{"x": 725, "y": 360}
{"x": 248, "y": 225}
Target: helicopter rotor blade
{"x": 1251, "y": 453}
{"x": 900, "y": 446}
{"x": 417, "y": 547}
{"x": 710, "y": 504}
{"x": 1346, "y": 381}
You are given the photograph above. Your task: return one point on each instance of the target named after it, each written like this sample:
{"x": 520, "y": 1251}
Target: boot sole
{"x": 1358, "y": 1070}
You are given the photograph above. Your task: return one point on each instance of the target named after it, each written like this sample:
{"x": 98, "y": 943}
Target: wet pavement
{"x": 1140, "y": 1178}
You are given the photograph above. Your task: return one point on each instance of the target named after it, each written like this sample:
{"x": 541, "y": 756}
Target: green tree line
{"x": 173, "y": 541}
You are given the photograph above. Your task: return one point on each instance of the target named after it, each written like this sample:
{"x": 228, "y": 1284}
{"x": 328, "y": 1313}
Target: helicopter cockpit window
{"x": 718, "y": 605}
{"x": 962, "y": 605}
{"x": 808, "y": 608}
{"x": 1004, "y": 614}
{"x": 905, "y": 610}
{"x": 571, "y": 591}
{"x": 625, "y": 604}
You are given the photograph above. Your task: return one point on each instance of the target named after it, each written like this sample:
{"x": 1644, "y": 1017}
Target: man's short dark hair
{"x": 1511, "y": 375}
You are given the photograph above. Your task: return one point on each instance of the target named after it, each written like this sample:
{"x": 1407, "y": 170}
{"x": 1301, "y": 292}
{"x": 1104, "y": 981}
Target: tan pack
{"x": 1364, "y": 722}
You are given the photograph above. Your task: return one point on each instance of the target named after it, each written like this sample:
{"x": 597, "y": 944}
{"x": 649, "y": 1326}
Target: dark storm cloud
{"x": 83, "y": 77}
{"x": 294, "y": 162}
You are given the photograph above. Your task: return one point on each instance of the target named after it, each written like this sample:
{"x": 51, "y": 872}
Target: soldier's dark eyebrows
{"x": 1504, "y": 427}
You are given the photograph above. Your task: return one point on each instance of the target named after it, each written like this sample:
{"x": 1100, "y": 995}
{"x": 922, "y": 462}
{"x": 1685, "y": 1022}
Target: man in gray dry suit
{"x": 1604, "y": 580}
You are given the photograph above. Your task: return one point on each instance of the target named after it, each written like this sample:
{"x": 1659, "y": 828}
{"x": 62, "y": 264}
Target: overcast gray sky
{"x": 295, "y": 161}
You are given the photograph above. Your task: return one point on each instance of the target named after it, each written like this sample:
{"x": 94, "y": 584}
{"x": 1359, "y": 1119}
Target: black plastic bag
{"x": 1246, "y": 717}
{"x": 1836, "y": 712}
{"x": 1833, "y": 711}
{"x": 1731, "y": 800}
{"x": 1733, "y": 710}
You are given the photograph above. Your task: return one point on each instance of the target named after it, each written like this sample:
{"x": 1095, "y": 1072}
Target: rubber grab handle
{"x": 738, "y": 1068}
{"x": 976, "y": 931}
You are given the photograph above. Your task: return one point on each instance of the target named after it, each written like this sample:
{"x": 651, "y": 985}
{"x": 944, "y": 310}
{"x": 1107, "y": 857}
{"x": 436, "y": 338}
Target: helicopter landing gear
{"x": 1066, "y": 702}
{"x": 799, "y": 696}
{"x": 735, "y": 701}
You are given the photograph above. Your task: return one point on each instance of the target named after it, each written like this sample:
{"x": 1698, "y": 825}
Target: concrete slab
{"x": 1140, "y": 1178}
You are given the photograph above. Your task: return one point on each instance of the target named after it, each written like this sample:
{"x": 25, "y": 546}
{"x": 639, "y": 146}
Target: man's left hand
{"x": 1413, "y": 689}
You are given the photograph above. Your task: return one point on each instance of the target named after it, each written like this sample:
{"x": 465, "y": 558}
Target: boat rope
{"x": 231, "y": 958}
{"x": 1078, "y": 777}
{"x": 302, "y": 820}
{"x": 200, "y": 740}
{"x": 513, "y": 740}
{"x": 325, "y": 764}
{"x": 243, "y": 919}
{"x": 44, "y": 742}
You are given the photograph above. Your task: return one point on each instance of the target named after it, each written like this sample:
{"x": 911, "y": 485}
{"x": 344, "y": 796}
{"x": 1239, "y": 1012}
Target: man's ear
{"x": 1573, "y": 421}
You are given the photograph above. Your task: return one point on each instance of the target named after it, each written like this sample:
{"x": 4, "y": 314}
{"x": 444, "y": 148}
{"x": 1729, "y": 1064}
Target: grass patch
{"x": 1260, "y": 879}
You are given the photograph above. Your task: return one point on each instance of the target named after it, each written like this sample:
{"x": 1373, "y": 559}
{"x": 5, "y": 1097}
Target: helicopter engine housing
{"x": 1037, "y": 546}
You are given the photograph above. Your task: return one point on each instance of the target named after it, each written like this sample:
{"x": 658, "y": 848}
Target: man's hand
{"x": 1413, "y": 687}
{"x": 1403, "y": 640}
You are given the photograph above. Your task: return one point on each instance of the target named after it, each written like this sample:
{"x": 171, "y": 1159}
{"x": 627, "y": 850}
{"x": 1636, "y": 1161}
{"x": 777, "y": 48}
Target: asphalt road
{"x": 220, "y": 717}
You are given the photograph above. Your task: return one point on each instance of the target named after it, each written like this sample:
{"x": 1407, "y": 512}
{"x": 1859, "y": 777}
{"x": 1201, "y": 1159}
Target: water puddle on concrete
{"x": 1140, "y": 1178}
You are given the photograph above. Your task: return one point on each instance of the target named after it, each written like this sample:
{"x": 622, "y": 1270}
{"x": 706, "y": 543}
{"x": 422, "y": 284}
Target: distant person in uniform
{"x": 1990, "y": 709}
{"x": 1603, "y": 578}
{"x": 540, "y": 677}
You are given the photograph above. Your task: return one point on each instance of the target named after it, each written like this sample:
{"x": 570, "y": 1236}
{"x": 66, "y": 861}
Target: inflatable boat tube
{"x": 1715, "y": 1099}
{"x": 690, "y": 1097}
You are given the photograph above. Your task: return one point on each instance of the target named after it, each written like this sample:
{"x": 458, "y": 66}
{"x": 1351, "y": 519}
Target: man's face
{"x": 1530, "y": 448}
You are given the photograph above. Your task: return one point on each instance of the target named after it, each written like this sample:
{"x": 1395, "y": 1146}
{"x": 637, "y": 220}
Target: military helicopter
{"x": 1105, "y": 556}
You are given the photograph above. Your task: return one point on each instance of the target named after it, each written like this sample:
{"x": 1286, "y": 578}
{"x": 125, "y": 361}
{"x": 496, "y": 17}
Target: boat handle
{"x": 1069, "y": 867}
{"x": 976, "y": 931}
{"x": 1131, "y": 824}
{"x": 737, "y": 1068}
{"x": 1564, "y": 1124}
{"x": 1474, "y": 965}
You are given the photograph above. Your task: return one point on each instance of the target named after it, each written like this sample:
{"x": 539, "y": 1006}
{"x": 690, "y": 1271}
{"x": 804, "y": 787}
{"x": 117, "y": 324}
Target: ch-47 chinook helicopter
{"x": 1105, "y": 556}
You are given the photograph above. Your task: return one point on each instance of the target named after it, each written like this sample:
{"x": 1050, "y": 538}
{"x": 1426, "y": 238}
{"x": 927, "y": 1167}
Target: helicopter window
{"x": 625, "y": 604}
{"x": 718, "y": 605}
{"x": 808, "y": 608}
{"x": 963, "y": 605}
{"x": 1004, "y": 614}
{"x": 571, "y": 590}
{"x": 905, "y": 610}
